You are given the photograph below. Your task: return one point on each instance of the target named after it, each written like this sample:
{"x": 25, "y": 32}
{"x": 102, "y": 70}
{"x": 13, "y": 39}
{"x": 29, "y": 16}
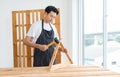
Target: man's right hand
{"x": 42, "y": 47}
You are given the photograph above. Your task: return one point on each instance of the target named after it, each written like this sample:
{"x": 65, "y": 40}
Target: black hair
{"x": 48, "y": 9}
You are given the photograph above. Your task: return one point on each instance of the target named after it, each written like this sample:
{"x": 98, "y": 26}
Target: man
{"x": 40, "y": 34}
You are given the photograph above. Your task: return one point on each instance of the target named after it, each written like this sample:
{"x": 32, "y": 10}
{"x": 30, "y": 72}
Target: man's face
{"x": 50, "y": 17}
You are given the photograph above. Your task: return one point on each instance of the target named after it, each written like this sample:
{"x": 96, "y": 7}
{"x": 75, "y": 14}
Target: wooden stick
{"x": 54, "y": 56}
{"x": 57, "y": 66}
{"x": 66, "y": 53}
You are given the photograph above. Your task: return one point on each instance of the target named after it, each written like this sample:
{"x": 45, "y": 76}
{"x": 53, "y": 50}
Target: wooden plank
{"x": 33, "y": 16}
{"x": 66, "y": 53}
{"x": 23, "y": 47}
{"x": 28, "y": 48}
{"x": 41, "y": 14}
{"x": 68, "y": 71}
{"x": 57, "y": 25}
{"x": 19, "y": 42}
{"x": 14, "y": 39}
{"x": 36, "y": 15}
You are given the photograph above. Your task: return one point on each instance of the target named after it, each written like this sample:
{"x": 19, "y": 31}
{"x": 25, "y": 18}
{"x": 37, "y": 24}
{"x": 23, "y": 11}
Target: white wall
{"x": 6, "y": 40}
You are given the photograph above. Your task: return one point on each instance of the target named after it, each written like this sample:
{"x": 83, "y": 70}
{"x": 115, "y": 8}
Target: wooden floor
{"x": 67, "y": 71}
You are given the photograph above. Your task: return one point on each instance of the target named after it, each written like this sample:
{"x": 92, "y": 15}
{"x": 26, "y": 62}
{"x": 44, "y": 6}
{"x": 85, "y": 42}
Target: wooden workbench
{"x": 67, "y": 71}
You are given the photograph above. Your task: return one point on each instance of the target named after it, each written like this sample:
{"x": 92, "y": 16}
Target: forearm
{"x": 30, "y": 43}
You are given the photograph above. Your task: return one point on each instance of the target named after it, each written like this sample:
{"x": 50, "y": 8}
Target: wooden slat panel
{"x": 22, "y": 20}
